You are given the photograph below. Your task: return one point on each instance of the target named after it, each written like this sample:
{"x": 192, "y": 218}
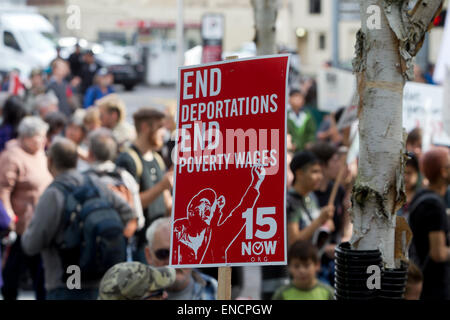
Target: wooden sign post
{"x": 224, "y": 273}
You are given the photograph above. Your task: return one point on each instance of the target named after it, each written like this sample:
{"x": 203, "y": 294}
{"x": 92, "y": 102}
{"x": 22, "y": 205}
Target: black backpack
{"x": 93, "y": 231}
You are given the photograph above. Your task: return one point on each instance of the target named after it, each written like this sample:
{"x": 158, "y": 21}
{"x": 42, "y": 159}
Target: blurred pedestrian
{"x": 76, "y": 61}
{"x": 328, "y": 130}
{"x": 50, "y": 228}
{"x": 57, "y": 122}
{"x": 102, "y": 152}
{"x": 300, "y": 122}
{"x": 37, "y": 88}
{"x": 23, "y": 178}
{"x": 331, "y": 162}
{"x": 412, "y": 183}
{"x": 91, "y": 119}
{"x": 101, "y": 87}
{"x": 170, "y": 135}
{"x": 305, "y": 219}
{"x": 113, "y": 116}
{"x": 414, "y": 142}
{"x": 190, "y": 284}
{"x": 76, "y": 132}
{"x": 61, "y": 88}
{"x": 88, "y": 70}
{"x": 430, "y": 248}
{"x": 13, "y": 112}
{"x": 147, "y": 167}
{"x": 45, "y": 103}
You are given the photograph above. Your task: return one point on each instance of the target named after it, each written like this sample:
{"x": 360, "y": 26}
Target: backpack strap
{"x": 160, "y": 161}
{"x": 137, "y": 162}
{"x": 65, "y": 188}
{"x": 102, "y": 173}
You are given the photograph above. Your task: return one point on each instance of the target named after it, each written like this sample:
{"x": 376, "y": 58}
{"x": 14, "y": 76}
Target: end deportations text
{"x": 200, "y": 135}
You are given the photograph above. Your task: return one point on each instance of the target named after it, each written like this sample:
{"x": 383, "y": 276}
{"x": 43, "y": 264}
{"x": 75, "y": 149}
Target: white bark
{"x": 265, "y": 13}
{"x": 383, "y": 63}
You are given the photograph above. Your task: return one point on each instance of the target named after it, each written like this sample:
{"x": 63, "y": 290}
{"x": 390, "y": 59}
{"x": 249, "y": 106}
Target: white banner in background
{"x": 422, "y": 107}
{"x": 336, "y": 89}
{"x": 446, "y": 103}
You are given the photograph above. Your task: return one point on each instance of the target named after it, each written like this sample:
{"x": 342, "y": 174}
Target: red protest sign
{"x": 230, "y": 165}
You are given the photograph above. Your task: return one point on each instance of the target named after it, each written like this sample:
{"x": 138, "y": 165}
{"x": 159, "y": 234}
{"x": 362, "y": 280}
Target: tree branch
{"x": 421, "y": 21}
{"x": 410, "y": 27}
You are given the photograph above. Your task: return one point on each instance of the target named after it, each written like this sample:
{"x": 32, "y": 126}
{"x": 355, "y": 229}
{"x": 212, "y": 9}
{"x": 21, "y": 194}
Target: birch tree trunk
{"x": 265, "y": 13}
{"x": 388, "y": 40}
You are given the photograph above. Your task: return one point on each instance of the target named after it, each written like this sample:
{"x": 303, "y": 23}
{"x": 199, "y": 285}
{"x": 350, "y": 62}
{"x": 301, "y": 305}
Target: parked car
{"x": 124, "y": 73}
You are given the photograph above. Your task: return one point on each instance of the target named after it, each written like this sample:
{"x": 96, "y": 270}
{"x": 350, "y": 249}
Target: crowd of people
{"x": 79, "y": 185}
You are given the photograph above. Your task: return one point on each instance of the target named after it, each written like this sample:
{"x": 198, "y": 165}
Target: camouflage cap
{"x": 134, "y": 281}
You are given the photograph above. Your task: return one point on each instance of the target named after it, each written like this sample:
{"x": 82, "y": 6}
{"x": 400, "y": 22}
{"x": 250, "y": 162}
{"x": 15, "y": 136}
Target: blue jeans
{"x": 75, "y": 294}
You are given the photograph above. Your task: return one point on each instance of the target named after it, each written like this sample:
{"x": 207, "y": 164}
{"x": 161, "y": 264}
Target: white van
{"x": 25, "y": 40}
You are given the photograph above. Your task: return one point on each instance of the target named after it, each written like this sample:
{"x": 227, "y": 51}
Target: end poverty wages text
{"x": 207, "y": 136}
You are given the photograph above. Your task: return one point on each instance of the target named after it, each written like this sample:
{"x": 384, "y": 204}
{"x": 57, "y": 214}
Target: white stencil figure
{"x": 205, "y": 224}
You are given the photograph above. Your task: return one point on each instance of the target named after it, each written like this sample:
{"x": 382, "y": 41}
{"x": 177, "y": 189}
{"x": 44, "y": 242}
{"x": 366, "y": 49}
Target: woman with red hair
{"x": 429, "y": 224}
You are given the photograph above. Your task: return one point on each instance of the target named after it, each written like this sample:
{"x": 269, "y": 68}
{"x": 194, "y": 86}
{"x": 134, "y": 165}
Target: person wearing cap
{"x": 189, "y": 284}
{"x": 136, "y": 281}
{"x": 303, "y": 214}
{"x": 102, "y": 86}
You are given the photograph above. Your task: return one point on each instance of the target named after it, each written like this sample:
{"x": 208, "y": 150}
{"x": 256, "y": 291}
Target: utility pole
{"x": 265, "y": 13}
{"x": 335, "y": 33}
{"x": 180, "y": 33}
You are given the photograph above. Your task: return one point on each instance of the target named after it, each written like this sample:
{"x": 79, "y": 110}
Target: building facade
{"x": 304, "y": 25}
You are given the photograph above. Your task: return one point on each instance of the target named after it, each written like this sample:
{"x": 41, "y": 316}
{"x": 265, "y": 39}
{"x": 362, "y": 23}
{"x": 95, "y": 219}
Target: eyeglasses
{"x": 162, "y": 254}
{"x": 154, "y": 294}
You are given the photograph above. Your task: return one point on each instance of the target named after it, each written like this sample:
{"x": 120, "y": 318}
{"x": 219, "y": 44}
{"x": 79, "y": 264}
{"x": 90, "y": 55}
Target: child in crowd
{"x": 303, "y": 265}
